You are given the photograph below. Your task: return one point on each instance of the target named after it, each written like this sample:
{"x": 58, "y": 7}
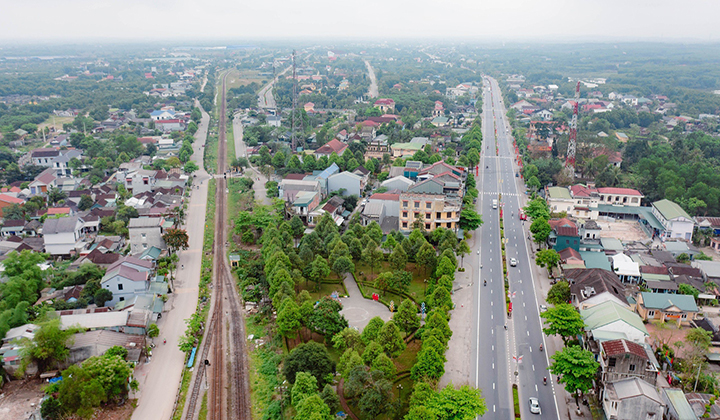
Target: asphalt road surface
{"x": 495, "y": 367}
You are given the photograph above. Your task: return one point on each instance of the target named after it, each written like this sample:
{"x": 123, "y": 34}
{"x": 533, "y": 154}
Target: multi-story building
{"x": 433, "y": 210}
{"x": 675, "y": 221}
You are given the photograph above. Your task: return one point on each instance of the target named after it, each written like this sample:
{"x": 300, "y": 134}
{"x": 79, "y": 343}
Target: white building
{"x": 677, "y": 224}
{"x": 62, "y": 235}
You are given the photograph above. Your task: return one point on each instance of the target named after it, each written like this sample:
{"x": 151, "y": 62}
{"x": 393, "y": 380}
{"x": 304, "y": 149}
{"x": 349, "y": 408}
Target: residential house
{"x": 675, "y": 221}
{"x": 303, "y": 202}
{"x": 44, "y": 157}
{"x": 709, "y": 223}
{"x": 377, "y": 148}
{"x": 328, "y": 148}
{"x": 632, "y": 399}
{"x": 383, "y": 208}
{"x": 623, "y": 359}
{"x": 386, "y": 105}
{"x": 397, "y": 183}
{"x": 405, "y": 149}
{"x": 677, "y": 406}
{"x": 124, "y": 282}
{"x": 662, "y": 306}
{"x": 61, "y": 164}
{"x": 626, "y": 269}
{"x": 45, "y": 180}
{"x": 564, "y": 234}
{"x": 710, "y": 270}
{"x": 351, "y": 183}
{"x": 7, "y": 201}
{"x": 593, "y": 286}
{"x": 699, "y": 402}
{"x": 138, "y": 181}
{"x": 95, "y": 343}
{"x": 62, "y": 235}
{"x": 611, "y": 321}
{"x": 569, "y": 259}
{"x": 12, "y": 228}
{"x": 434, "y": 210}
{"x": 163, "y": 114}
{"x": 146, "y": 232}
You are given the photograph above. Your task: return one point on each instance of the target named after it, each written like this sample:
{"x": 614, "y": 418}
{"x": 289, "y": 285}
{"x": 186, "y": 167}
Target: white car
{"x": 543, "y": 308}
{"x": 513, "y": 262}
{"x": 534, "y": 405}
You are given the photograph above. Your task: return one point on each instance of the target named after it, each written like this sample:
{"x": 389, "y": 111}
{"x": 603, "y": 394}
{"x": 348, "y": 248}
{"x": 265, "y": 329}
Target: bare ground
{"x": 624, "y": 230}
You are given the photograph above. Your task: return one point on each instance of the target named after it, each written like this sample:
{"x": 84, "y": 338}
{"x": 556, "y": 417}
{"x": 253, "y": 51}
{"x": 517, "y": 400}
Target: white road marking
{"x": 533, "y": 368}
{"x": 528, "y": 333}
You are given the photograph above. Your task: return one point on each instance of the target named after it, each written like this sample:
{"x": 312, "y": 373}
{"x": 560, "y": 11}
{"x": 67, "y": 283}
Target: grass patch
{"x": 56, "y": 122}
{"x": 237, "y": 78}
{"x": 326, "y": 289}
{"x": 211, "y": 153}
{"x": 264, "y": 362}
{"x": 516, "y": 401}
{"x": 184, "y": 386}
{"x": 417, "y": 287}
{"x": 230, "y": 136}
{"x": 203, "y": 408}
{"x": 210, "y": 217}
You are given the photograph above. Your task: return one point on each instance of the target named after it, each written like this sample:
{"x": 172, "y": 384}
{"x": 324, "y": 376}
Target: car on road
{"x": 534, "y": 405}
{"x": 513, "y": 262}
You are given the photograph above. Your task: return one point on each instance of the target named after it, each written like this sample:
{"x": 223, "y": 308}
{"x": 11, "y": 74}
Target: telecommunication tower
{"x": 572, "y": 141}
{"x": 293, "y": 145}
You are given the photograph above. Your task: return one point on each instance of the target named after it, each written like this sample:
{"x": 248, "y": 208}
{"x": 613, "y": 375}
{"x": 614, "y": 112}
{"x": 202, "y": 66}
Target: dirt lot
{"x": 624, "y": 230}
{"x": 20, "y": 399}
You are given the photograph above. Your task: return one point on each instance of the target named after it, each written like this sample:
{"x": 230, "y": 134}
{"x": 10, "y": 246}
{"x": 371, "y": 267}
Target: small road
{"x": 159, "y": 380}
{"x": 252, "y": 172}
{"x": 373, "y": 91}
{"x": 266, "y": 99}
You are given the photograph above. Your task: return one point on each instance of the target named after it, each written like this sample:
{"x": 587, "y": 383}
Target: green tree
{"x": 430, "y": 365}
{"x": 563, "y": 320}
{"x": 427, "y": 257}
{"x": 191, "y": 167}
{"x": 389, "y": 243}
{"x": 305, "y": 386}
{"x": 687, "y": 289}
{"x": 348, "y": 338}
{"x": 390, "y": 340}
{"x": 348, "y": 361}
{"x": 312, "y": 408}
{"x": 331, "y": 399}
{"x": 371, "y": 352}
{"x": 326, "y": 318}
{"x": 398, "y": 258}
{"x": 385, "y": 365}
{"x": 86, "y": 202}
{"x": 102, "y": 296}
{"x": 48, "y": 348}
{"x": 440, "y": 299}
{"x": 407, "y": 318}
{"x": 537, "y": 209}
{"x": 371, "y": 330}
{"x": 153, "y": 331}
{"x": 308, "y": 357}
{"x": 297, "y": 227}
{"x": 176, "y": 239}
{"x": 319, "y": 270}
{"x": 547, "y": 258}
{"x": 343, "y": 265}
{"x": 534, "y": 183}
{"x": 577, "y": 369}
{"x": 463, "y": 250}
{"x": 289, "y": 318}
{"x": 445, "y": 268}
{"x": 464, "y": 403}
{"x": 51, "y": 409}
{"x": 469, "y": 219}
{"x": 372, "y": 256}
{"x": 540, "y": 229}
{"x": 559, "y": 293}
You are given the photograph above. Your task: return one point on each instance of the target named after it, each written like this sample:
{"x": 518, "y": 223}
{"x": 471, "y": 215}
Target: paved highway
{"x": 496, "y": 347}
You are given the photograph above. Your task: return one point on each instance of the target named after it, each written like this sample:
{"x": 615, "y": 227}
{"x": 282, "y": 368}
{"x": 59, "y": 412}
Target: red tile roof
{"x": 385, "y": 196}
{"x": 333, "y": 145}
{"x": 58, "y": 210}
{"x": 650, "y": 269}
{"x": 620, "y": 191}
{"x": 10, "y": 199}
{"x": 564, "y": 227}
{"x": 622, "y": 346}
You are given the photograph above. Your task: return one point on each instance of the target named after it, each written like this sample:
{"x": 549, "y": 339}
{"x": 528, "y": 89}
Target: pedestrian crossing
{"x": 495, "y": 193}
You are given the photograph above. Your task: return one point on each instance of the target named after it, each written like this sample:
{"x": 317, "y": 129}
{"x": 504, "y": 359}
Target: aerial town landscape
{"x": 359, "y": 229}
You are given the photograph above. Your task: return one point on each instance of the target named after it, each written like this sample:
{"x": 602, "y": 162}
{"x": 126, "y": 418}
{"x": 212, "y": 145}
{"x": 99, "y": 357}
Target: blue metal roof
{"x": 332, "y": 169}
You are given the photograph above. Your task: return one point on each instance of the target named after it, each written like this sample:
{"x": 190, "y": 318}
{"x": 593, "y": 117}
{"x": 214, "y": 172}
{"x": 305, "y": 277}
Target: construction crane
{"x": 572, "y": 141}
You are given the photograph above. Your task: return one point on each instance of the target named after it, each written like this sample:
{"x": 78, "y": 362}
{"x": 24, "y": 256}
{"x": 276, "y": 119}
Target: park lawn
{"x": 416, "y": 289}
{"x": 407, "y": 358}
{"x": 326, "y": 289}
{"x": 237, "y": 78}
{"x": 56, "y": 122}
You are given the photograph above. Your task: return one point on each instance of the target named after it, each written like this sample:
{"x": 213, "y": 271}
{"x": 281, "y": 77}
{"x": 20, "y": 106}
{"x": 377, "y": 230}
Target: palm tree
{"x": 614, "y": 175}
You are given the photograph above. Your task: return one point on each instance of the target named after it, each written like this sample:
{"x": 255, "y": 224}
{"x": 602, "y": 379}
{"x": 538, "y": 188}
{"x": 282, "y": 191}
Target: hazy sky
{"x": 184, "y": 20}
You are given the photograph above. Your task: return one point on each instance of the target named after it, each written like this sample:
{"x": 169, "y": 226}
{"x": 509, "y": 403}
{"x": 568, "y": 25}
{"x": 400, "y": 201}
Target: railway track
{"x": 229, "y": 391}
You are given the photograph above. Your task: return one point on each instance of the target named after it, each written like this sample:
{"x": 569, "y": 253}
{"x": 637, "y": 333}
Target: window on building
{"x": 144, "y": 235}
{"x": 631, "y": 368}
{"x": 427, "y": 216}
{"x": 427, "y": 226}
{"x": 405, "y": 203}
{"x": 146, "y": 181}
{"x": 449, "y": 225}
{"x": 120, "y": 286}
{"x": 145, "y": 246}
{"x": 438, "y": 215}
{"x": 417, "y": 204}
{"x": 404, "y": 224}
{"x": 449, "y": 214}
{"x": 121, "y": 299}
{"x": 611, "y": 362}
{"x": 651, "y": 314}
{"x": 428, "y": 205}
{"x": 683, "y": 316}
{"x": 416, "y": 215}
